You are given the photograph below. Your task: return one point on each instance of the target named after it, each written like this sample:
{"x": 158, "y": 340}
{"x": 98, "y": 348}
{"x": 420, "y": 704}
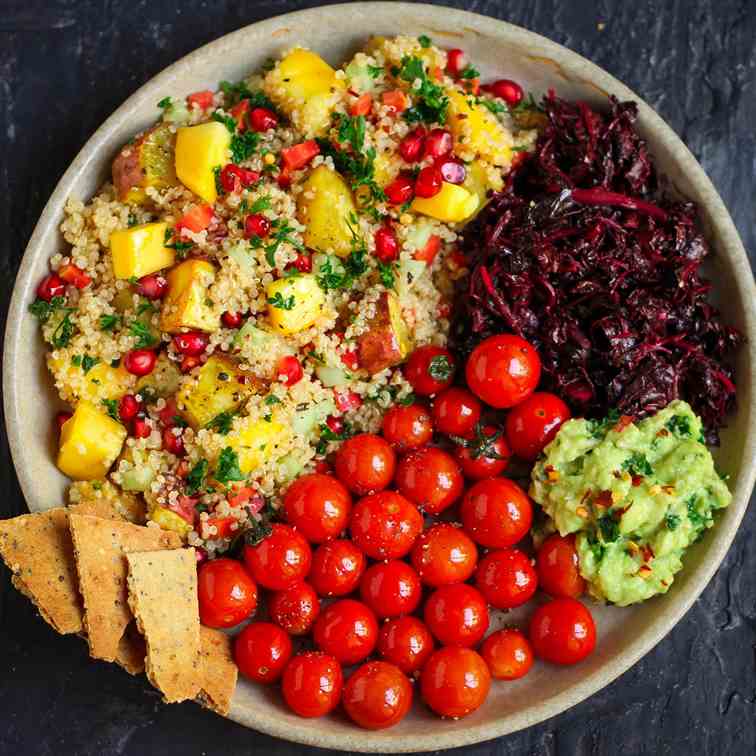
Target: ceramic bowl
{"x": 498, "y": 49}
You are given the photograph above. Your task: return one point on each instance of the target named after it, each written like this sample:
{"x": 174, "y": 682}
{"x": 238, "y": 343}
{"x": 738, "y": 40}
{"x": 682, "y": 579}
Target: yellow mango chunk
{"x": 305, "y": 88}
{"x": 479, "y": 180}
{"x": 169, "y": 520}
{"x": 476, "y": 130}
{"x": 103, "y": 381}
{"x": 453, "y": 204}
{"x": 199, "y": 151}
{"x": 140, "y": 250}
{"x": 90, "y": 441}
{"x": 185, "y": 303}
{"x": 294, "y": 303}
{"x": 257, "y": 442}
{"x": 325, "y": 205}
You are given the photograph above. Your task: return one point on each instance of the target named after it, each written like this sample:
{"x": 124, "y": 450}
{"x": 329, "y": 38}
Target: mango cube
{"x": 294, "y": 303}
{"x": 169, "y": 520}
{"x": 257, "y": 442}
{"x": 453, "y": 204}
{"x": 185, "y": 305}
{"x": 90, "y": 441}
{"x": 199, "y": 151}
{"x": 476, "y": 129}
{"x": 140, "y": 250}
{"x": 103, "y": 381}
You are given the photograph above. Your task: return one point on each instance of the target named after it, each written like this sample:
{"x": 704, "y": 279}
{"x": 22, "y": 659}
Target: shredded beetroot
{"x": 585, "y": 257}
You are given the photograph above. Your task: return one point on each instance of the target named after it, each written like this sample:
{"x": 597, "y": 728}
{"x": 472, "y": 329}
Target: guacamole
{"x": 636, "y": 495}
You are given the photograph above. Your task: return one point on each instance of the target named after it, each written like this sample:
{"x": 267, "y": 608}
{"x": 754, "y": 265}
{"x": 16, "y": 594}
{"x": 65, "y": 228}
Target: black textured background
{"x": 65, "y": 66}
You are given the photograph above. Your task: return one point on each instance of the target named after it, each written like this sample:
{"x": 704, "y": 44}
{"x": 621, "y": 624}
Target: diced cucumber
{"x": 409, "y": 272}
{"x": 331, "y": 376}
{"x": 290, "y": 466}
{"x": 306, "y": 421}
{"x": 359, "y": 77}
{"x": 137, "y": 478}
{"x": 177, "y": 112}
{"x": 242, "y": 255}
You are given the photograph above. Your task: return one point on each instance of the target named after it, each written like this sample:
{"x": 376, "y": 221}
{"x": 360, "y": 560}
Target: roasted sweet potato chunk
{"x": 146, "y": 161}
{"x": 387, "y": 342}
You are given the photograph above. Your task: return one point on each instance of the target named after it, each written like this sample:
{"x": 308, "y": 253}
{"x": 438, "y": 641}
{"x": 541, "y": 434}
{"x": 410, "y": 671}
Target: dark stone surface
{"x": 65, "y": 66}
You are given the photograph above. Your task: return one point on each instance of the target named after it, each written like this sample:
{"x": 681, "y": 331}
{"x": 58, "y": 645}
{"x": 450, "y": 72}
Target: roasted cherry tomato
{"x": 457, "y": 615}
{"x": 562, "y": 631}
{"x": 503, "y": 370}
{"x": 430, "y": 478}
{"x": 377, "y": 695}
{"x": 406, "y": 642}
{"x": 430, "y": 369}
{"x": 508, "y": 654}
{"x": 532, "y": 424}
{"x": 391, "y": 588}
{"x": 444, "y": 554}
{"x": 318, "y": 506}
{"x": 455, "y": 682}
{"x": 261, "y": 651}
{"x": 496, "y": 513}
{"x": 506, "y": 578}
{"x": 456, "y": 412}
{"x": 347, "y": 630}
{"x": 385, "y": 525}
{"x": 484, "y": 453}
{"x": 365, "y": 463}
{"x": 226, "y": 592}
{"x": 280, "y": 559}
{"x": 312, "y": 683}
{"x": 407, "y": 427}
{"x": 295, "y": 608}
{"x": 337, "y": 567}
{"x": 559, "y": 568}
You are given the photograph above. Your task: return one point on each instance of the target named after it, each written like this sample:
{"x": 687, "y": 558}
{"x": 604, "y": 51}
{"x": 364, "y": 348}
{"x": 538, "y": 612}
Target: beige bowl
{"x": 498, "y": 49}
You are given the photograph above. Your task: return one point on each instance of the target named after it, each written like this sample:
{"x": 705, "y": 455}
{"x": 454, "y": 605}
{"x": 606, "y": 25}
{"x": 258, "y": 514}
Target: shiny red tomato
{"x": 337, "y": 567}
{"x": 496, "y": 513}
{"x": 261, "y": 651}
{"x": 508, "y": 654}
{"x": 407, "y": 427}
{"x": 406, "y": 642}
{"x": 295, "y": 608}
{"x": 227, "y": 594}
{"x": 506, "y": 578}
{"x": 318, "y": 506}
{"x": 503, "y": 370}
{"x": 559, "y": 568}
{"x": 385, "y": 525}
{"x": 485, "y": 453}
{"x": 365, "y": 463}
{"x": 562, "y": 631}
{"x": 430, "y": 369}
{"x": 312, "y": 683}
{"x": 430, "y": 478}
{"x": 532, "y": 424}
{"x": 347, "y": 630}
{"x": 444, "y": 554}
{"x": 456, "y": 412}
{"x": 377, "y": 696}
{"x": 391, "y": 588}
{"x": 280, "y": 559}
{"x": 455, "y": 682}
{"x": 457, "y": 615}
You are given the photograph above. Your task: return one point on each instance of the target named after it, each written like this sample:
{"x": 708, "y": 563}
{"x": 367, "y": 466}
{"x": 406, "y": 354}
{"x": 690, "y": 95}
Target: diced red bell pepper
{"x": 196, "y": 219}
{"x": 202, "y": 100}
{"x": 184, "y": 507}
{"x": 428, "y": 253}
{"x": 239, "y": 113}
{"x": 299, "y": 155}
{"x": 75, "y": 276}
{"x": 351, "y": 359}
{"x": 246, "y": 496}
{"x": 223, "y": 526}
{"x": 362, "y": 105}
{"x": 347, "y": 400}
{"x": 396, "y": 100}
{"x": 437, "y": 73}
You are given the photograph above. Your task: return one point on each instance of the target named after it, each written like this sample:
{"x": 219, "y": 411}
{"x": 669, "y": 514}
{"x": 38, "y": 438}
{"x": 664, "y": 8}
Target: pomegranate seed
{"x": 191, "y": 343}
{"x": 400, "y": 190}
{"x": 335, "y": 424}
{"x": 141, "y": 428}
{"x": 189, "y": 362}
{"x": 438, "y": 144}
{"x": 153, "y": 286}
{"x": 256, "y": 225}
{"x": 61, "y": 418}
{"x": 322, "y": 467}
{"x": 347, "y": 400}
{"x": 302, "y": 262}
{"x": 351, "y": 359}
{"x": 509, "y": 91}
{"x": 284, "y": 179}
{"x": 456, "y": 62}
{"x": 429, "y": 181}
{"x": 172, "y": 443}
{"x": 51, "y": 286}
{"x": 386, "y": 245}
{"x": 232, "y": 319}
{"x": 140, "y": 361}
{"x": 128, "y": 408}
{"x": 262, "y": 119}
{"x": 411, "y": 147}
{"x": 291, "y": 369}
{"x": 168, "y": 413}
{"x": 452, "y": 170}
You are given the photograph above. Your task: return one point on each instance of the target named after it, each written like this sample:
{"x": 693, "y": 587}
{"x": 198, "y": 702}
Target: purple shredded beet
{"x": 584, "y": 257}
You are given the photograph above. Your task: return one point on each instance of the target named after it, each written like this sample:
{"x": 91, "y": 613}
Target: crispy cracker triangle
{"x": 131, "y": 650}
{"x": 129, "y": 506}
{"x": 96, "y": 508}
{"x": 163, "y": 598}
{"x": 218, "y": 671}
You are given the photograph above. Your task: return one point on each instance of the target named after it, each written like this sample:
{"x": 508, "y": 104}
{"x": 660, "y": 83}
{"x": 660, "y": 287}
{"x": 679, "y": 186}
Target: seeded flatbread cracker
{"x": 218, "y": 671}
{"x": 163, "y": 598}
{"x": 129, "y": 506}
{"x": 132, "y": 650}
{"x": 95, "y": 508}
{"x": 37, "y": 549}
{"x": 100, "y": 546}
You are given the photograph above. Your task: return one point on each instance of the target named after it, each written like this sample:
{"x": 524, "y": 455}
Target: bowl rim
{"x": 722, "y": 227}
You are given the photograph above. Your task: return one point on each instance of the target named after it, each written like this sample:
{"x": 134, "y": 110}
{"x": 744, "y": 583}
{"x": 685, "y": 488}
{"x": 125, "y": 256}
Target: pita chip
{"x": 218, "y": 671}
{"x": 96, "y": 508}
{"x": 131, "y": 650}
{"x": 163, "y": 598}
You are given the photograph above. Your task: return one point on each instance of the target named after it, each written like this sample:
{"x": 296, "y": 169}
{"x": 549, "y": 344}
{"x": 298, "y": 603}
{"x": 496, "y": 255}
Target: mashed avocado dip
{"x": 636, "y": 495}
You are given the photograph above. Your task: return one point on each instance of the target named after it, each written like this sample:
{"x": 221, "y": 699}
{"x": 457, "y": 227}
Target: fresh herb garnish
{"x": 281, "y": 234}
{"x": 432, "y": 103}
{"x": 228, "y": 466}
{"x": 64, "y": 331}
{"x": 425, "y": 41}
{"x": 235, "y": 93}
{"x": 111, "y": 405}
{"x": 387, "y": 273}
{"x": 222, "y": 423}
{"x": 374, "y": 71}
{"x": 146, "y": 307}
{"x": 272, "y": 399}
{"x": 672, "y": 521}
{"x": 281, "y": 302}
{"x": 243, "y": 146}
{"x": 469, "y": 73}
{"x": 143, "y": 335}
{"x": 609, "y": 528}
{"x": 165, "y": 103}
{"x": 195, "y": 480}
{"x": 42, "y": 309}
{"x": 109, "y": 322}
{"x": 679, "y": 425}
{"x": 599, "y": 428}
{"x": 87, "y": 362}
{"x": 228, "y": 121}
{"x": 637, "y": 464}
{"x": 439, "y": 368}
{"x": 260, "y": 204}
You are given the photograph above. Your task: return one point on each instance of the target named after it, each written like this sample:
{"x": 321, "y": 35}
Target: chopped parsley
{"x": 697, "y": 520}
{"x": 672, "y": 521}
{"x": 439, "y": 368}
{"x": 327, "y": 435}
{"x": 43, "y": 310}
{"x": 228, "y": 466}
{"x": 181, "y": 247}
{"x": 235, "y": 93}
{"x": 86, "y": 362}
{"x": 679, "y": 425}
{"x": 111, "y": 405}
{"x": 432, "y": 103}
{"x": 599, "y": 428}
{"x": 425, "y": 41}
{"x": 348, "y": 270}
{"x": 637, "y": 464}
{"x": 374, "y": 71}
{"x": 609, "y": 528}
{"x": 492, "y": 105}
{"x": 165, "y": 103}
{"x": 64, "y": 331}
{"x": 228, "y": 121}
{"x": 351, "y": 130}
{"x": 469, "y": 73}
{"x": 260, "y": 204}
{"x": 109, "y": 322}
{"x": 221, "y": 423}
{"x": 281, "y": 234}
{"x": 272, "y": 399}
{"x": 218, "y": 183}
{"x": 143, "y": 335}
{"x": 195, "y": 480}
{"x": 243, "y": 145}
{"x": 146, "y": 307}
{"x": 281, "y": 302}
{"x": 387, "y": 273}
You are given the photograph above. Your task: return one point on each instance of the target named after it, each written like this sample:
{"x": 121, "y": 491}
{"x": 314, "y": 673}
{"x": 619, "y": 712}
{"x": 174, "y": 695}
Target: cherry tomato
{"x": 337, "y": 567}
{"x": 503, "y": 370}
{"x": 407, "y": 427}
{"x": 506, "y": 578}
{"x": 365, "y": 463}
{"x": 485, "y": 453}
{"x": 430, "y": 369}
{"x": 391, "y": 588}
{"x": 456, "y": 412}
{"x": 532, "y": 424}
{"x": 406, "y": 642}
{"x": 261, "y": 651}
{"x": 280, "y": 559}
{"x": 508, "y": 654}
{"x": 318, "y": 506}
{"x": 226, "y": 593}
{"x": 456, "y": 62}
{"x": 455, "y": 682}
{"x": 347, "y": 630}
{"x": 430, "y": 478}
{"x": 562, "y": 631}
{"x": 312, "y": 683}
{"x": 377, "y": 696}
{"x": 444, "y": 554}
{"x": 559, "y": 568}
{"x": 140, "y": 361}
{"x": 457, "y": 615}
{"x": 295, "y": 608}
{"x": 385, "y": 525}
{"x": 496, "y": 513}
